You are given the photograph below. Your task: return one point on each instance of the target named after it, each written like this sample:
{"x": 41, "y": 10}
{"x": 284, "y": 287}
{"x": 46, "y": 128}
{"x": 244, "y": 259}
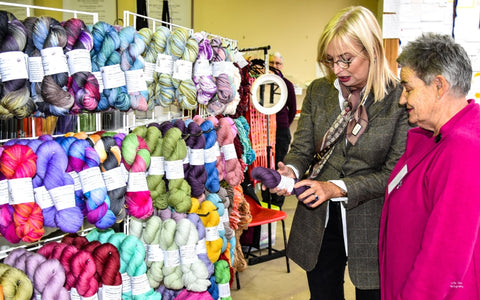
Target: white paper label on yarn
{"x": 154, "y": 253}
{"x": 76, "y": 180}
{"x": 239, "y": 59}
{"x": 221, "y": 226}
{"x": 174, "y": 169}
{"x": 137, "y": 182}
{"x": 54, "y": 61}
{"x": 182, "y": 69}
{"x": 148, "y": 70}
{"x": 216, "y": 147}
{"x": 113, "y": 76}
{"x": 224, "y": 290}
{"x": 63, "y": 196}
{"x": 164, "y": 64}
{"x": 223, "y": 67}
{"x": 197, "y": 157}
{"x": 187, "y": 254}
{"x": 201, "y": 247}
{"x": 98, "y": 75}
{"x": 91, "y": 179}
{"x": 94, "y": 297}
{"x": 79, "y": 61}
{"x": 211, "y": 233}
{"x": 186, "y": 159}
{"x": 172, "y": 258}
{"x": 114, "y": 179}
{"x": 4, "y": 194}
{"x": 111, "y": 292}
{"x": 125, "y": 171}
{"x": 229, "y": 151}
{"x": 157, "y": 165}
{"x": 74, "y": 294}
{"x": 210, "y": 155}
{"x": 35, "y": 69}
{"x": 140, "y": 285}
{"x": 225, "y": 218}
{"x": 42, "y": 197}
{"x": 135, "y": 80}
{"x": 13, "y": 65}
{"x": 21, "y": 190}
{"x": 126, "y": 283}
{"x": 286, "y": 183}
{"x": 202, "y": 67}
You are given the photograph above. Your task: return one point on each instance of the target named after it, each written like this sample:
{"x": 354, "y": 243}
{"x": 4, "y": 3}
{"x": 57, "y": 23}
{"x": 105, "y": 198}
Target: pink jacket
{"x": 429, "y": 245}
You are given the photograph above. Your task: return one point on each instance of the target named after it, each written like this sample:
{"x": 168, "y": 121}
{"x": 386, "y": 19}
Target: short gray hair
{"x": 434, "y": 54}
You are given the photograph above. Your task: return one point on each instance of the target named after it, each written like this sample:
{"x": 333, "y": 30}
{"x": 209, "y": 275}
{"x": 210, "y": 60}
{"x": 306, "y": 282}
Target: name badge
{"x": 356, "y": 129}
{"x": 398, "y": 178}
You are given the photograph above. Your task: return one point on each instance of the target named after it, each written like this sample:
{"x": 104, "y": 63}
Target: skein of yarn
{"x": 225, "y": 137}
{"x": 50, "y": 38}
{"x": 84, "y": 160}
{"x": 222, "y": 277}
{"x": 174, "y": 151}
{"x": 52, "y": 163}
{"x": 272, "y": 179}
{"x": 172, "y": 272}
{"x": 113, "y": 175}
{"x": 196, "y": 173}
{"x": 18, "y": 165}
{"x": 82, "y": 84}
{"x": 210, "y": 219}
{"x": 49, "y": 278}
{"x": 137, "y": 160}
{"x": 15, "y": 97}
{"x": 202, "y": 75}
{"x": 107, "y": 263}
{"x": 154, "y": 254}
{"x": 132, "y": 46}
{"x": 15, "y": 283}
{"x": 195, "y": 274}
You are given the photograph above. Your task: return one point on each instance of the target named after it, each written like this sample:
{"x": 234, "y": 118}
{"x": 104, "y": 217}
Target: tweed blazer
{"x": 365, "y": 169}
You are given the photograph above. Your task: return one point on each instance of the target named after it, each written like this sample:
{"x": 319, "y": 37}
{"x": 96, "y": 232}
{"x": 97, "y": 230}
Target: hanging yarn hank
{"x": 132, "y": 46}
{"x": 18, "y": 165}
{"x": 136, "y": 156}
{"x": 196, "y": 174}
{"x": 203, "y": 76}
{"x": 233, "y": 172}
{"x": 15, "y": 98}
{"x": 84, "y": 160}
{"x": 82, "y": 84}
{"x": 175, "y": 151}
{"x": 172, "y": 272}
{"x": 50, "y": 38}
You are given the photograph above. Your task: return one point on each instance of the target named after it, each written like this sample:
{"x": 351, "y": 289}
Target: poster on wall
{"x": 106, "y": 9}
{"x": 19, "y": 12}
{"x": 180, "y": 11}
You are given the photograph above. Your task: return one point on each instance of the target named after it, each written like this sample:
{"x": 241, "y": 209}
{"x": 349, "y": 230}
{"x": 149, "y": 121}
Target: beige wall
{"x": 290, "y": 27}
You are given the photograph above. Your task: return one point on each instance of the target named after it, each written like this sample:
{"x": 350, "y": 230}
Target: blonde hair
{"x": 356, "y": 25}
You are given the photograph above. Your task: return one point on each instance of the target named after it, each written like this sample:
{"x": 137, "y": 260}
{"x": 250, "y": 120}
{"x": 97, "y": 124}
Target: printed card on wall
{"x": 106, "y": 9}
{"x": 180, "y": 11}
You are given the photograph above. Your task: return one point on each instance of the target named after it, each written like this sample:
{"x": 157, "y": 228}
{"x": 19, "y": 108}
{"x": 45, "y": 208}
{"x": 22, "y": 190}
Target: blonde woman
{"x": 338, "y": 217}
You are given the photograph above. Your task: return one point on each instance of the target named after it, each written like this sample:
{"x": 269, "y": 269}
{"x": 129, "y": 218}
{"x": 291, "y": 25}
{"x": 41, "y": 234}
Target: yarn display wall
{"x": 50, "y": 36}
{"x": 82, "y": 84}
{"x": 15, "y": 96}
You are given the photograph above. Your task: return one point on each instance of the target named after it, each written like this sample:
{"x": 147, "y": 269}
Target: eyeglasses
{"x": 342, "y": 63}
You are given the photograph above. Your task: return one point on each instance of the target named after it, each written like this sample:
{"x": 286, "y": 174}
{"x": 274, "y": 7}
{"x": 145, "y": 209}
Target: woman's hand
{"x": 284, "y": 171}
{"x": 317, "y": 192}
